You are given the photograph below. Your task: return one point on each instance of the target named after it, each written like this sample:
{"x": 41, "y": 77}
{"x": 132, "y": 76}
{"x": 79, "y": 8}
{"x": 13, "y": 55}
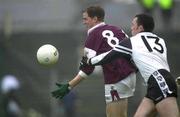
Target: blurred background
{"x": 25, "y": 25}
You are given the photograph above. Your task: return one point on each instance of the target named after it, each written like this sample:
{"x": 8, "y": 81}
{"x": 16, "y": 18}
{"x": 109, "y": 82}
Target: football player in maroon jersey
{"x": 119, "y": 75}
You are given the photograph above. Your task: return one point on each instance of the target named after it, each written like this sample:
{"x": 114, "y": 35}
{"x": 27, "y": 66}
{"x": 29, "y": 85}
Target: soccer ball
{"x": 47, "y": 55}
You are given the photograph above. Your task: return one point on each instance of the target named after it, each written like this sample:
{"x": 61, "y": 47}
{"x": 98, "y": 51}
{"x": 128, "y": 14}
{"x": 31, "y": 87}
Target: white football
{"x": 47, "y": 55}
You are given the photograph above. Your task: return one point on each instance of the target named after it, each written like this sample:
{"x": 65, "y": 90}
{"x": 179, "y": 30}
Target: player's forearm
{"x": 107, "y": 57}
{"x": 75, "y": 81}
{"x": 104, "y": 58}
{"x": 100, "y": 59}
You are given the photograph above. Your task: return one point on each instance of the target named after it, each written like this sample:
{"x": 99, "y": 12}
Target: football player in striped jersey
{"x": 149, "y": 53}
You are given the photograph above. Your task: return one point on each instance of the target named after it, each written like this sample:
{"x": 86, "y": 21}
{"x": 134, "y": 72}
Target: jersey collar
{"x": 98, "y": 25}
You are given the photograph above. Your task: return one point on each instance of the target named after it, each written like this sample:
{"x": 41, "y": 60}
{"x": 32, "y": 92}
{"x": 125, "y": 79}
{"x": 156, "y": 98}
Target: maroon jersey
{"x": 102, "y": 39}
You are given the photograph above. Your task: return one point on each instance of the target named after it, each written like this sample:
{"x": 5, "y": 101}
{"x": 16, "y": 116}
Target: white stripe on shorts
{"x": 162, "y": 83}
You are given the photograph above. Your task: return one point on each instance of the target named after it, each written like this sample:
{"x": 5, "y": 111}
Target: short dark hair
{"x": 95, "y": 11}
{"x": 146, "y": 21}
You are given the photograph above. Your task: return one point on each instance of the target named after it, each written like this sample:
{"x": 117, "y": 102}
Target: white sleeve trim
{"x": 82, "y": 74}
{"x": 89, "y": 52}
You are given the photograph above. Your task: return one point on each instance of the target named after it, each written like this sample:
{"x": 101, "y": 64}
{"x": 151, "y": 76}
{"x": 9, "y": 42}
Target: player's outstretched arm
{"x": 107, "y": 57}
{"x": 97, "y": 60}
{"x": 103, "y": 58}
{"x": 124, "y": 49}
{"x": 76, "y": 80}
{"x": 65, "y": 88}
{"x": 61, "y": 91}
{"x": 100, "y": 59}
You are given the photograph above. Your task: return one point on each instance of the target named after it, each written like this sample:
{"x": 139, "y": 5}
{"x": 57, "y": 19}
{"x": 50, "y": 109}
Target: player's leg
{"x": 153, "y": 113}
{"x": 168, "y": 107}
{"x": 116, "y": 96}
{"x": 117, "y": 108}
{"x": 146, "y": 108}
{"x": 161, "y": 92}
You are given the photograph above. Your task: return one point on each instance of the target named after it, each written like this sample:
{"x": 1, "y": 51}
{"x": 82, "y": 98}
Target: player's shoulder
{"x": 139, "y": 35}
{"x": 113, "y": 27}
{"x": 147, "y": 34}
{"x": 135, "y": 36}
{"x": 126, "y": 43}
{"x": 108, "y": 27}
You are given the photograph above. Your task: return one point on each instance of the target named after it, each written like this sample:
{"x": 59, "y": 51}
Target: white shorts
{"x": 122, "y": 89}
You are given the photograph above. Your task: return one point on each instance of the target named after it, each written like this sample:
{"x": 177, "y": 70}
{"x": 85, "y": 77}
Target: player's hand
{"x": 84, "y": 62}
{"x": 62, "y": 90}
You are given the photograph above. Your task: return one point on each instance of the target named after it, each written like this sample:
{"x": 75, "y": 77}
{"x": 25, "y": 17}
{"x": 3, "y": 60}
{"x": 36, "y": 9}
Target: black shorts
{"x": 161, "y": 84}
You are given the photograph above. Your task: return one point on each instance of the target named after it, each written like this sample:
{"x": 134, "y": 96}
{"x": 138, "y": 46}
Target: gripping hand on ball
{"x": 62, "y": 90}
